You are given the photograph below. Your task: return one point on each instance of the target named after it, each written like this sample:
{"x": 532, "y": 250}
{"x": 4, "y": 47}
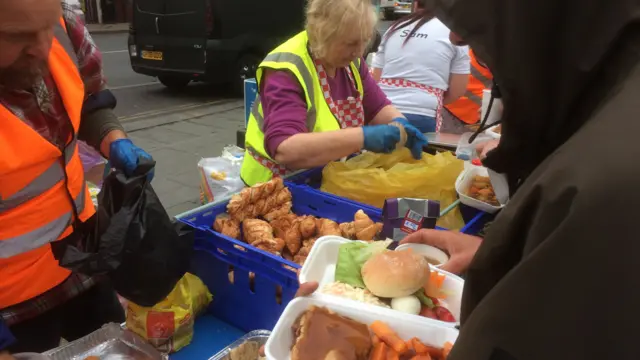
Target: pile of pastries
{"x": 263, "y": 212}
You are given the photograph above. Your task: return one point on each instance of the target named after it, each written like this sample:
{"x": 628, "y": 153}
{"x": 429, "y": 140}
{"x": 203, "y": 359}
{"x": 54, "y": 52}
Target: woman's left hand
{"x": 416, "y": 141}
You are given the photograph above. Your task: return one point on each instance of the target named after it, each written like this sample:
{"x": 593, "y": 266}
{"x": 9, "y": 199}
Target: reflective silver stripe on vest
{"x": 473, "y": 97}
{"x": 483, "y": 79}
{"x": 296, "y": 60}
{"x": 486, "y": 82}
{"x": 43, "y": 234}
{"x": 45, "y": 181}
{"x": 62, "y": 37}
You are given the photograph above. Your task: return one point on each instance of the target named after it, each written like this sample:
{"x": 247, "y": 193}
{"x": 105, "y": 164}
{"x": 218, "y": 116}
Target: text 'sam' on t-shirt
{"x": 427, "y": 58}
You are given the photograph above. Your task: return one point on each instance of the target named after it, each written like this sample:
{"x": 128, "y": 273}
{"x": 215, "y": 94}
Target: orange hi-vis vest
{"x": 42, "y": 187}
{"x": 467, "y": 106}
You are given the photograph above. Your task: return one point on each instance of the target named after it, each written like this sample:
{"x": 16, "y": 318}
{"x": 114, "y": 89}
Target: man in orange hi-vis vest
{"x": 461, "y": 115}
{"x": 52, "y": 94}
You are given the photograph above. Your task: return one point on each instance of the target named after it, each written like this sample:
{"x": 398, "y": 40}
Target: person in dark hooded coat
{"x": 556, "y": 276}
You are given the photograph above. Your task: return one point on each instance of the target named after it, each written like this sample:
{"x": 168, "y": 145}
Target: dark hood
{"x": 553, "y": 62}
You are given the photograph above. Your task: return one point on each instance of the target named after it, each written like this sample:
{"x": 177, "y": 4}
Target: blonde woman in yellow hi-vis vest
{"x": 317, "y": 101}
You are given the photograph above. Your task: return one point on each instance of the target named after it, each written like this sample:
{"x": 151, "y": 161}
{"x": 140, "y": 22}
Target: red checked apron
{"x": 349, "y": 113}
{"x": 438, "y": 93}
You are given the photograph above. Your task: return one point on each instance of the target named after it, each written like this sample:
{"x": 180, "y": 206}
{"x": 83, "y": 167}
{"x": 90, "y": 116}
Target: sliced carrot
{"x": 419, "y": 346}
{"x": 375, "y": 340}
{"x": 379, "y": 352}
{"x": 437, "y": 278}
{"x": 446, "y": 349}
{"x": 410, "y": 345}
{"x": 388, "y": 336}
{"x": 433, "y": 286}
{"x": 421, "y": 357}
{"x": 423, "y": 349}
{"x": 392, "y": 355}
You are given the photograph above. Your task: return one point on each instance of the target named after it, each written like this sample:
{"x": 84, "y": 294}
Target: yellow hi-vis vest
{"x": 293, "y": 56}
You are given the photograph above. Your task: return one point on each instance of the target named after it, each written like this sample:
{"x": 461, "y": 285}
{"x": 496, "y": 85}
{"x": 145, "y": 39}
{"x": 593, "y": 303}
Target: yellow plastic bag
{"x": 168, "y": 325}
{"x": 372, "y": 178}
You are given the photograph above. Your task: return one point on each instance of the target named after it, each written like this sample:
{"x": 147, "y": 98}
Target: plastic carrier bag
{"x": 168, "y": 325}
{"x": 131, "y": 239}
{"x": 219, "y": 178}
{"x": 372, "y": 178}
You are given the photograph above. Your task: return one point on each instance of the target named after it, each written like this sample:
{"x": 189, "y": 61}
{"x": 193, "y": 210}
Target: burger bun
{"x": 394, "y": 274}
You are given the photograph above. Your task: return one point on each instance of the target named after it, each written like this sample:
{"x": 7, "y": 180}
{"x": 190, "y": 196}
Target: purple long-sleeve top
{"x": 285, "y": 108}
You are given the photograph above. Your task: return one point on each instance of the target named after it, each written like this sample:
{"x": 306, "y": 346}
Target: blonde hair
{"x": 328, "y": 20}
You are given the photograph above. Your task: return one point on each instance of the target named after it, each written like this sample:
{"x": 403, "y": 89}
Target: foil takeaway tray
{"x": 111, "y": 342}
{"x": 258, "y": 336}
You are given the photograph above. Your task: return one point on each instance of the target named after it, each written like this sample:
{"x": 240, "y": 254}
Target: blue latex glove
{"x": 381, "y": 138}
{"x": 416, "y": 141}
{"x": 124, "y": 155}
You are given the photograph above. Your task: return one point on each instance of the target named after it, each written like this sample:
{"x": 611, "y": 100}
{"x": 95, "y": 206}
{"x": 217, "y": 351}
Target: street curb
{"x": 177, "y": 115}
{"x": 172, "y": 110}
{"x": 108, "y": 28}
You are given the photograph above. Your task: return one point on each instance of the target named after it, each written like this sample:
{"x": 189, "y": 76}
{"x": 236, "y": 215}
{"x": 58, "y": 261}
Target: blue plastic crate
{"x": 474, "y": 219}
{"x": 306, "y": 201}
{"x": 245, "y": 303}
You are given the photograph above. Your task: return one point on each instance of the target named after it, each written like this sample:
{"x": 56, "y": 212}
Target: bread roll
{"x": 394, "y": 274}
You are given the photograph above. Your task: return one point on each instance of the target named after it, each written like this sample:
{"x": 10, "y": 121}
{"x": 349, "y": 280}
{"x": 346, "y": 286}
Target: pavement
{"x": 177, "y": 128}
{"x": 107, "y": 28}
{"x": 178, "y": 140}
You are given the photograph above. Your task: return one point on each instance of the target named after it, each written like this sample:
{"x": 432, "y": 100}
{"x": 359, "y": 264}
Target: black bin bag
{"x": 131, "y": 239}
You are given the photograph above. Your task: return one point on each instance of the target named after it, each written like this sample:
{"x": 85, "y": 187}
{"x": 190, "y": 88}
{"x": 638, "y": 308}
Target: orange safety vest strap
{"x": 60, "y": 33}
{"x": 483, "y": 79}
{"x": 42, "y": 235}
{"x": 45, "y": 181}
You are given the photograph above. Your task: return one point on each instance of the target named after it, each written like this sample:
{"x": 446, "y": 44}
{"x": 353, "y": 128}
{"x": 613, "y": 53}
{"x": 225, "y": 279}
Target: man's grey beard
{"x": 13, "y": 78}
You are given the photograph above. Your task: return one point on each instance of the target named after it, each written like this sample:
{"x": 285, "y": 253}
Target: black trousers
{"x": 71, "y": 320}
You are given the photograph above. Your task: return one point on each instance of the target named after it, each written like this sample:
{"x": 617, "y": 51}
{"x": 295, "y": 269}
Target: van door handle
{"x": 157, "y": 27}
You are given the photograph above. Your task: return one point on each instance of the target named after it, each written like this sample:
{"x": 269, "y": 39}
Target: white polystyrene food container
{"x": 499, "y": 186}
{"x": 279, "y": 345}
{"x": 321, "y": 267}
{"x": 491, "y": 132}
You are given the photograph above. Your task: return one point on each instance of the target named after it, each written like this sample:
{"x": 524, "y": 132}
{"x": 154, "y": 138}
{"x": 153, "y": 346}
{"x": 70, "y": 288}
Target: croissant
{"x": 308, "y": 227}
{"x": 301, "y": 256}
{"x": 258, "y": 200}
{"x": 348, "y": 230}
{"x": 281, "y": 224}
{"x": 328, "y": 227}
{"x": 255, "y": 230}
{"x": 364, "y": 227}
{"x": 279, "y": 211}
{"x": 273, "y": 246}
{"x": 227, "y": 226}
{"x": 293, "y": 238}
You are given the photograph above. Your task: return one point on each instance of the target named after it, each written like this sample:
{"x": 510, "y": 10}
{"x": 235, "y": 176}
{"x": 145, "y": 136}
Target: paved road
{"x": 139, "y": 93}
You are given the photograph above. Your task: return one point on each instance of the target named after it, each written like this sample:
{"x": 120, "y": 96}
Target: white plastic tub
{"x": 321, "y": 267}
{"x": 406, "y": 326}
{"x": 491, "y": 132}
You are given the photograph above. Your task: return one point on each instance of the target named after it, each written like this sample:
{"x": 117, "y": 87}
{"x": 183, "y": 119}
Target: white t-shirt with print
{"x": 427, "y": 58}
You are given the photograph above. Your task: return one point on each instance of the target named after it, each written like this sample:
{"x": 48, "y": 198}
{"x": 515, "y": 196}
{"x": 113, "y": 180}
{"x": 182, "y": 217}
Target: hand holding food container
{"x": 460, "y": 248}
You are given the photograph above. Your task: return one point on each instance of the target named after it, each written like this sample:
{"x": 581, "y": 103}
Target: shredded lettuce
{"x": 351, "y": 258}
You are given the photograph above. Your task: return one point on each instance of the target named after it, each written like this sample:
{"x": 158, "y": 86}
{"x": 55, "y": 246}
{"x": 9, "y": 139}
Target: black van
{"x": 217, "y": 41}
